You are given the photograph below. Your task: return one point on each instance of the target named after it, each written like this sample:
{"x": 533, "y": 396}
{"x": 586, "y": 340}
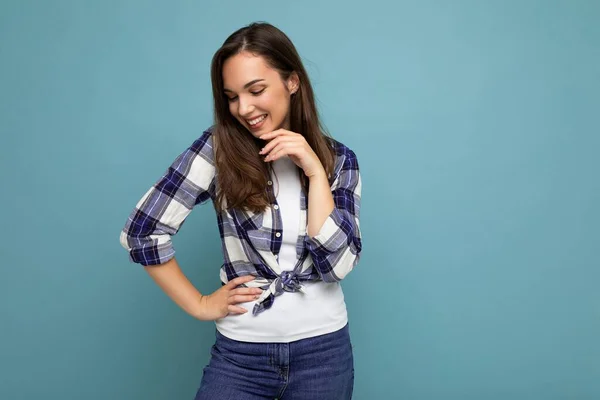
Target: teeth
{"x": 257, "y": 120}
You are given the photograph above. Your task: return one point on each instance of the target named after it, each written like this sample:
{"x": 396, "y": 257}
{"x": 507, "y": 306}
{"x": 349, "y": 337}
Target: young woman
{"x": 287, "y": 199}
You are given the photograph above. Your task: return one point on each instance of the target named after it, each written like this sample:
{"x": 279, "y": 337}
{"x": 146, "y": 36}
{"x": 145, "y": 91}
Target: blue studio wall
{"x": 477, "y": 131}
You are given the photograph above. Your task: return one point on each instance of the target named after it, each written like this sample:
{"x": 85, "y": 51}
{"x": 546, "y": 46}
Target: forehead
{"x": 245, "y": 67}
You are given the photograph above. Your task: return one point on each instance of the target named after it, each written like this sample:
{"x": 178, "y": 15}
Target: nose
{"x": 245, "y": 107}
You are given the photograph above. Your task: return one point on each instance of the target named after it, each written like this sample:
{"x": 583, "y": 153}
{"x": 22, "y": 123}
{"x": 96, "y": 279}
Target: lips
{"x": 256, "y": 123}
{"x": 257, "y": 120}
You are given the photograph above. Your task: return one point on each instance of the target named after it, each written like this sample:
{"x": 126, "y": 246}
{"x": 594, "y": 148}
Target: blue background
{"x": 477, "y": 130}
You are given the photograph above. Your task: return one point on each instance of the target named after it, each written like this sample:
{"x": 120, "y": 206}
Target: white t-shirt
{"x": 294, "y": 315}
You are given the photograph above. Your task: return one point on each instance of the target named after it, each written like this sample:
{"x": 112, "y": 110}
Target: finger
{"x": 277, "y": 148}
{"x": 272, "y": 143}
{"x": 241, "y": 299}
{"x": 236, "y": 310}
{"x": 269, "y": 146}
{"x": 278, "y": 152}
{"x": 246, "y": 291}
{"x": 275, "y": 142}
{"x": 275, "y": 133}
{"x": 271, "y": 135}
{"x": 240, "y": 280}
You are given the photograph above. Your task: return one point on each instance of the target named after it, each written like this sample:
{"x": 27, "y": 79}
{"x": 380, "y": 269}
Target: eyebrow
{"x": 247, "y": 85}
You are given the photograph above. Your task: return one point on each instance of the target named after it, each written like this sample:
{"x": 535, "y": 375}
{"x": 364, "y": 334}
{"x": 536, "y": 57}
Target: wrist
{"x": 319, "y": 175}
{"x": 202, "y": 309}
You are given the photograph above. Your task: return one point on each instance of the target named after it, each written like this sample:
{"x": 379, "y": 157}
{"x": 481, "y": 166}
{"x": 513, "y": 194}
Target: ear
{"x": 293, "y": 83}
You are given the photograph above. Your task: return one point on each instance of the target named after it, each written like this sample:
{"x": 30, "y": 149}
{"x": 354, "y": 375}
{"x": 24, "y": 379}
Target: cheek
{"x": 272, "y": 103}
{"x": 233, "y": 109}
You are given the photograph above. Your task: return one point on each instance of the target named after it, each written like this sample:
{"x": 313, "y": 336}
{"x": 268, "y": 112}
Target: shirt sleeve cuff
{"x": 152, "y": 254}
{"x": 330, "y": 237}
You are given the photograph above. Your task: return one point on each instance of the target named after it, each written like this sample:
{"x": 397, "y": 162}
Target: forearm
{"x": 177, "y": 286}
{"x": 320, "y": 203}
{"x": 334, "y": 240}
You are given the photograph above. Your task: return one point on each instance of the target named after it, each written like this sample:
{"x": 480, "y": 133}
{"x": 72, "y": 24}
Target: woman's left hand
{"x": 286, "y": 143}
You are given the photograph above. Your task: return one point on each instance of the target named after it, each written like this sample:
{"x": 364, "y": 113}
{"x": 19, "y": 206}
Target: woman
{"x": 287, "y": 199}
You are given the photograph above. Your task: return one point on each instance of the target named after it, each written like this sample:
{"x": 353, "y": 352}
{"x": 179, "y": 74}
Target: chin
{"x": 259, "y": 132}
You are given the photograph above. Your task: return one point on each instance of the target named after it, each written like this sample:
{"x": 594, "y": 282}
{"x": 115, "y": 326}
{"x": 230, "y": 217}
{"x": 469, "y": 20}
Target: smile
{"x": 258, "y": 120}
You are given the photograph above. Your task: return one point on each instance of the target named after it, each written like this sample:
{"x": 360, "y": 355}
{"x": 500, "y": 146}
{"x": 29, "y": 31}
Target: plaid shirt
{"x": 250, "y": 242}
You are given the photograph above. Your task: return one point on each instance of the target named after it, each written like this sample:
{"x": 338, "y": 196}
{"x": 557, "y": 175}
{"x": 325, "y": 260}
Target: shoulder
{"x": 345, "y": 156}
{"x": 203, "y": 146}
{"x": 198, "y": 157}
{"x": 205, "y": 143}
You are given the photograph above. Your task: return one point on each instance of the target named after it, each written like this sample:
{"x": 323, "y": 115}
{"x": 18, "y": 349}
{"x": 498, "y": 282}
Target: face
{"x": 258, "y": 97}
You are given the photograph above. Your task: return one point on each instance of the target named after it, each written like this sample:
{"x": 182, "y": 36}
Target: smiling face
{"x": 258, "y": 96}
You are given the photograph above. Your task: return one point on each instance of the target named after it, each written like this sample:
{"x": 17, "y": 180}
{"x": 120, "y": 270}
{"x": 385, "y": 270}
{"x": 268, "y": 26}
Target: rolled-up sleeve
{"x": 335, "y": 250}
{"x": 161, "y": 212}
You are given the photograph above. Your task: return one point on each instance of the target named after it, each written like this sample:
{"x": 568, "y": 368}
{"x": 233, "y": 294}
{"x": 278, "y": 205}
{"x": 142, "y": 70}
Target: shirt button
{"x": 276, "y": 207}
{"x": 269, "y": 183}
{"x": 278, "y": 234}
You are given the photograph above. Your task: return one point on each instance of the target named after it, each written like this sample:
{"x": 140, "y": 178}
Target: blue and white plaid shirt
{"x": 250, "y": 242}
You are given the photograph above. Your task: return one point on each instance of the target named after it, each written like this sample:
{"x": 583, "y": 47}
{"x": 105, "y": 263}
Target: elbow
{"x": 124, "y": 240}
{"x": 345, "y": 266}
{"x": 148, "y": 250}
{"x": 338, "y": 270}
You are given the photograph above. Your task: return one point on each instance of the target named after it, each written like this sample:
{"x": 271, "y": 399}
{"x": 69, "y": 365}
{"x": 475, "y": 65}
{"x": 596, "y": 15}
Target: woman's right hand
{"x": 223, "y": 300}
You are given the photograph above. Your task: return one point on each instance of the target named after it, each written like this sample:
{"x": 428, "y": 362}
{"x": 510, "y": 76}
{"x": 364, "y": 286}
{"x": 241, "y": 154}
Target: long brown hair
{"x": 241, "y": 174}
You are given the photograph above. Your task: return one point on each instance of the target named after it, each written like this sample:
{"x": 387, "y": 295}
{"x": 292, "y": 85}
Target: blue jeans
{"x": 316, "y": 368}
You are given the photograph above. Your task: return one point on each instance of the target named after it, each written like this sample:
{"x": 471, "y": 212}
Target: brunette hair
{"x": 241, "y": 174}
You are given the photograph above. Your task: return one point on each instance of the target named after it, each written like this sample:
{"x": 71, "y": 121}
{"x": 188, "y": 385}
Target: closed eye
{"x": 254, "y": 93}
